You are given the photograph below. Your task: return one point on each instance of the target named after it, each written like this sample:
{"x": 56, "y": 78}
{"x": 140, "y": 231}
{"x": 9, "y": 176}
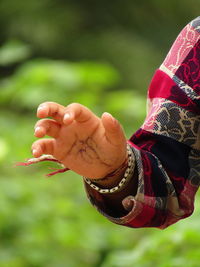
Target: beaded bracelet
{"x": 127, "y": 176}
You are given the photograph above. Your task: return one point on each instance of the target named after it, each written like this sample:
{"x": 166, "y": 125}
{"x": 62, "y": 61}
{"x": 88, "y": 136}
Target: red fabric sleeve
{"x": 167, "y": 146}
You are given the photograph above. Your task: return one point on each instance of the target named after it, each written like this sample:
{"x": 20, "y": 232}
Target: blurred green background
{"x": 103, "y": 55}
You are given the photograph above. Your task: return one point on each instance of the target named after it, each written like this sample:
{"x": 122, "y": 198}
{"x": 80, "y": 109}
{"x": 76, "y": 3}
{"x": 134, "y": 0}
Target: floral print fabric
{"x": 167, "y": 146}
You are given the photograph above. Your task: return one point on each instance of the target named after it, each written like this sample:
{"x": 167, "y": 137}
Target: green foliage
{"x": 13, "y": 52}
{"x": 101, "y": 54}
{"x": 56, "y": 80}
{"x": 49, "y": 222}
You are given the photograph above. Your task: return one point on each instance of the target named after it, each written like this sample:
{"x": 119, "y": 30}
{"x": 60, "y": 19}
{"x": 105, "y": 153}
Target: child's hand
{"x": 88, "y": 145}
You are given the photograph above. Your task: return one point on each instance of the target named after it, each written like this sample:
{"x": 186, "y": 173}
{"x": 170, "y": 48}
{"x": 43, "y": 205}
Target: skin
{"x": 88, "y": 145}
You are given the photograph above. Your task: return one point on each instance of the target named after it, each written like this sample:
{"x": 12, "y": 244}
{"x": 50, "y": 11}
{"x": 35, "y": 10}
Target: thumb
{"x": 113, "y": 130}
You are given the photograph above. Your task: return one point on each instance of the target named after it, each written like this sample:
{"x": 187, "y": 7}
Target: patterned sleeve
{"x": 167, "y": 145}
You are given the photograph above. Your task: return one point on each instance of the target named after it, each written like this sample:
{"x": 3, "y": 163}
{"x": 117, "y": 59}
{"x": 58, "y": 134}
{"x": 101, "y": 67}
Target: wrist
{"x": 113, "y": 178}
{"x": 115, "y": 181}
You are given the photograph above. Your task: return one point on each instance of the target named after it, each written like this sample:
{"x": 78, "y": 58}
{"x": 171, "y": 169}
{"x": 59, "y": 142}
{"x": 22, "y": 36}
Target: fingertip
{"x": 36, "y": 151}
{"x": 67, "y": 118}
{"x": 113, "y": 129}
{"x": 108, "y": 118}
{"x": 42, "y": 111}
{"x": 39, "y": 132}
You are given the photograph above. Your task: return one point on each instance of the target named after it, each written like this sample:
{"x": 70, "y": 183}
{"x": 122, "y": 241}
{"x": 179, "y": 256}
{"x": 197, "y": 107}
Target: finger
{"x": 78, "y": 112}
{"x": 51, "y": 109}
{"x": 113, "y": 130}
{"x": 47, "y": 127}
{"x": 43, "y": 146}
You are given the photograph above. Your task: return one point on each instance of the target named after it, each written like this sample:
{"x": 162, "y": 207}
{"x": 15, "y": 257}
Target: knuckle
{"x": 74, "y": 105}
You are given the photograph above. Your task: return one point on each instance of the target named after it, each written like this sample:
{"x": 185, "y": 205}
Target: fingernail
{"x": 109, "y": 115}
{"x": 34, "y": 151}
{"x": 37, "y": 129}
{"x": 40, "y": 107}
{"x": 67, "y": 116}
